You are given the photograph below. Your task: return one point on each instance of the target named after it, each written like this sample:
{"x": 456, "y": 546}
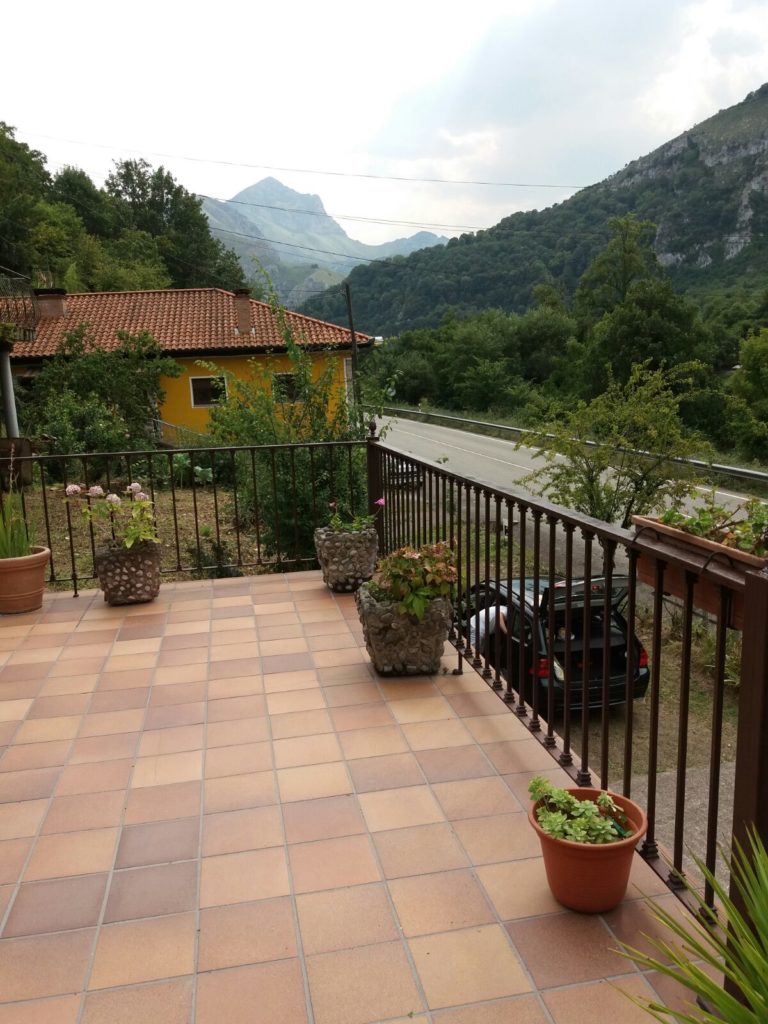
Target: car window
{"x": 514, "y": 626}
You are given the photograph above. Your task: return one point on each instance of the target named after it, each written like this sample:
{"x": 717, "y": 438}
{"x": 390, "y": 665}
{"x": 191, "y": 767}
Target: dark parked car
{"x": 504, "y": 651}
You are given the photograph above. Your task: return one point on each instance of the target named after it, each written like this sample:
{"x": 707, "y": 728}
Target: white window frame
{"x": 207, "y": 405}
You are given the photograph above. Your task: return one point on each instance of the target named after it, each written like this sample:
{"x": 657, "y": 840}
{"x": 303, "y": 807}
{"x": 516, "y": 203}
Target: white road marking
{"x": 469, "y": 451}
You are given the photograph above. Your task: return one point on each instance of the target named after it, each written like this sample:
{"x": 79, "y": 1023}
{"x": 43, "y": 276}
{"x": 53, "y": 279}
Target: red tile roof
{"x": 189, "y": 320}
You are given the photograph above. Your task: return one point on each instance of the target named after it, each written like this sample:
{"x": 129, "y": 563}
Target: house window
{"x": 285, "y": 387}
{"x": 207, "y": 391}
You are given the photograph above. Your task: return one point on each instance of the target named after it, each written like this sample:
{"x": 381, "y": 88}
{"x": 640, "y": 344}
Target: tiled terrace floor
{"x": 213, "y": 811}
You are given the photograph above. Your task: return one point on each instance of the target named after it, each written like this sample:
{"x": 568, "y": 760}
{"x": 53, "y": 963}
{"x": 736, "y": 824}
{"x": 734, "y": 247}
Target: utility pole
{"x": 355, "y": 382}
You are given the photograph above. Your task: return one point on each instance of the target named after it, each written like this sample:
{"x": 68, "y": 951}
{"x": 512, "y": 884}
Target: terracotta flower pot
{"x": 590, "y": 877}
{"x": 22, "y": 581}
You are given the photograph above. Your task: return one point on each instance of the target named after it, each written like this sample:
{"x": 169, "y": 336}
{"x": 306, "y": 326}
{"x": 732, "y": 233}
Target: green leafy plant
{"x": 412, "y": 578}
{"x": 563, "y": 816}
{"x": 745, "y": 528}
{"x": 213, "y": 557}
{"x": 14, "y": 538}
{"x": 125, "y": 521}
{"x": 340, "y": 522}
{"x": 735, "y": 947}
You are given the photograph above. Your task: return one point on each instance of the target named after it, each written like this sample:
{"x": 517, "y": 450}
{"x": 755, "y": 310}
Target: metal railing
{"x": 678, "y": 724}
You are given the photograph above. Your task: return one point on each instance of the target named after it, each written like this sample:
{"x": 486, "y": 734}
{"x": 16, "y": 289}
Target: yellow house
{"x": 225, "y": 328}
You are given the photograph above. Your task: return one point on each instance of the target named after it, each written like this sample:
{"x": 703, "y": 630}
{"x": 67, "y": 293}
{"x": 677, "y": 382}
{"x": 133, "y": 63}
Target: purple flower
{"x": 140, "y": 496}
{"x": 380, "y": 501}
{"x": 134, "y": 488}
{"x": 113, "y": 499}
{"x": 72, "y": 490}
{"x": 95, "y": 491}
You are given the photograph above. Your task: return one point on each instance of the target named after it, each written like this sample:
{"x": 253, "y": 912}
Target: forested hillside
{"x": 141, "y": 230}
{"x": 706, "y": 191}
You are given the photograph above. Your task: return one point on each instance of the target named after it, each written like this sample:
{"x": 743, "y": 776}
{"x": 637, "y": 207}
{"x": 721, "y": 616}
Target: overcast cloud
{"x": 549, "y": 92}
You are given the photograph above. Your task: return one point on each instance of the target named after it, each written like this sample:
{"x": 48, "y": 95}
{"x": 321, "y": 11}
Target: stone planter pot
{"x": 346, "y": 557}
{"x": 399, "y": 644}
{"x": 22, "y": 581}
{"x": 706, "y": 593}
{"x": 588, "y": 877}
{"x": 129, "y": 575}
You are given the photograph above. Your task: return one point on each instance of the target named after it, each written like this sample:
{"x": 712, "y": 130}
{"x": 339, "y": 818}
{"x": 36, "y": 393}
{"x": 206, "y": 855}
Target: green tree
{"x": 23, "y": 183}
{"x": 628, "y": 257}
{"x": 636, "y": 429}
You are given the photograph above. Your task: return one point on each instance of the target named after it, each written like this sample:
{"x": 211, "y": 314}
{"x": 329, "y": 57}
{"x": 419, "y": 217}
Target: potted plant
{"x": 407, "y": 609}
{"x": 127, "y": 563}
{"x": 708, "y": 946}
{"x": 346, "y": 548}
{"x": 22, "y": 563}
{"x": 737, "y": 537}
{"x": 588, "y": 839}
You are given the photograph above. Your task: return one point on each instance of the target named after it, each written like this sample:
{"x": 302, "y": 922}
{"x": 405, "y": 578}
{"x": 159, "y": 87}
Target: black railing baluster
{"x": 716, "y": 745}
{"x": 583, "y": 776}
{"x": 632, "y": 669}
{"x": 549, "y": 739}
{"x": 535, "y": 725}
{"x": 522, "y": 618}
{"x": 609, "y": 554}
{"x": 650, "y": 849}
{"x": 566, "y": 757}
{"x": 509, "y": 693}
{"x": 676, "y": 872}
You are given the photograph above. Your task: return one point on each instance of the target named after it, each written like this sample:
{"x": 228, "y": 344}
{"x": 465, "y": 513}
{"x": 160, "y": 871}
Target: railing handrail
{"x": 738, "y": 472}
{"x": 169, "y": 453}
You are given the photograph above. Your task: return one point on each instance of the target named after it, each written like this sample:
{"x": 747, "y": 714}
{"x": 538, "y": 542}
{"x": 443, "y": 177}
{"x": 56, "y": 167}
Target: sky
{"x": 415, "y": 113}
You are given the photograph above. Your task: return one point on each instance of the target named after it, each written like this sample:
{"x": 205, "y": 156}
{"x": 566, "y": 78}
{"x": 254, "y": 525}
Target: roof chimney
{"x": 51, "y": 302}
{"x": 243, "y": 310}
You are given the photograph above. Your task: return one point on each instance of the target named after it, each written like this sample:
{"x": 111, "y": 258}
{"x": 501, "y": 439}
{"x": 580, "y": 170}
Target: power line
{"x": 306, "y": 170}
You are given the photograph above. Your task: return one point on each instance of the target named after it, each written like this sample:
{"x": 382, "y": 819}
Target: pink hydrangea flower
{"x": 141, "y": 496}
{"x": 95, "y": 491}
{"x": 134, "y": 487}
{"x": 380, "y": 501}
{"x": 72, "y": 490}
{"x": 113, "y": 499}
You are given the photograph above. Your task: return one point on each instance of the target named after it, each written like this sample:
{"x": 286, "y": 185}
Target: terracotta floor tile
{"x": 475, "y": 798}
{"x": 230, "y": 793}
{"x": 399, "y": 808}
{"x": 368, "y": 716}
{"x": 104, "y": 748}
{"x": 439, "y": 902}
{"x": 177, "y": 693}
{"x": 494, "y": 728}
{"x": 32, "y": 784}
{"x": 224, "y": 637}
{"x": 152, "y": 891}
{"x": 467, "y": 682}
{"x": 13, "y": 857}
{"x": 338, "y": 657}
{"x": 429, "y": 735}
{"x": 235, "y": 686}
{"x": 243, "y": 877}
{"x": 340, "y": 674}
{"x": 171, "y": 741}
{"x": 18, "y": 820}
{"x": 166, "y": 769}
{"x": 501, "y": 837}
{"x": 345, "y": 918}
{"x": 360, "y": 743}
{"x": 633, "y": 923}
{"x": 72, "y": 853}
{"x": 421, "y": 709}
{"x": 295, "y": 700}
{"x": 326, "y": 818}
{"x": 35, "y": 755}
{"x": 56, "y": 906}
{"x": 563, "y": 949}
{"x": 520, "y": 1010}
{"x": 166, "y": 659}
{"x": 418, "y": 850}
{"x": 300, "y": 723}
{"x": 51, "y": 707}
{"x": 137, "y": 951}
{"x": 284, "y": 682}
{"x": 518, "y": 888}
{"x": 332, "y": 863}
{"x": 387, "y": 772}
{"x": 602, "y": 1001}
{"x": 180, "y": 642}
{"x": 58, "y": 1010}
{"x": 65, "y": 955}
{"x": 237, "y": 760}
{"x": 161, "y": 803}
{"x": 169, "y": 676}
{"x": 510, "y": 756}
{"x": 352, "y": 695}
{"x": 234, "y": 667}
{"x": 271, "y": 993}
{"x": 176, "y": 714}
{"x": 313, "y": 781}
{"x": 280, "y": 632}
{"x": 253, "y": 828}
{"x": 159, "y": 842}
{"x": 332, "y": 641}
{"x": 467, "y": 966}
{"x": 45, "y": 730}
{"x": 306, "y": 750}
{"x": 228, "y": 734}
{"x": 407, "y": 688}
{"x": 236, "y": 652}
{"x": 109, "y": 681}
{"x": 447, "y": 764}
{"x": 359, "y": 985}
{"x": 246, "y": 933}
{"x": 473, "y": 704}
{"x": 169, "y": 1002}
{"x": 232, "y": 708}
{"x": 127, "y": 662}
{"x": 81, "y": 811}
{"x": 119, "y": 700}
